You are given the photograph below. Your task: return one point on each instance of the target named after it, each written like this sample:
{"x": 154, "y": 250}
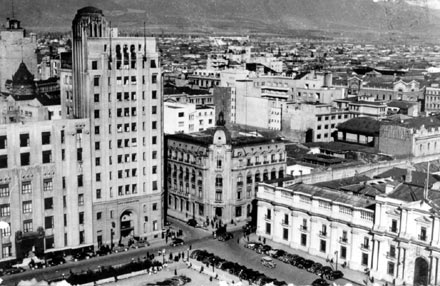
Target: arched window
{"x": 249, "y": 178}
{"x": 273, "y": 174}
{"x": 265, "y": 175}
{"x": 257, "y": 176}
{"x": 281, "y": 173}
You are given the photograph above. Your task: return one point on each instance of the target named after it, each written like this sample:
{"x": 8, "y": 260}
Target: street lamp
{"x": 3, "y": 226}
{"x": 336, "y": 253}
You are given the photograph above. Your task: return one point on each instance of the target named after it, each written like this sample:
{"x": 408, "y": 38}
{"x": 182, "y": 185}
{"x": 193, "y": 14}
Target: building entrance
{"x": 421, "y": 269}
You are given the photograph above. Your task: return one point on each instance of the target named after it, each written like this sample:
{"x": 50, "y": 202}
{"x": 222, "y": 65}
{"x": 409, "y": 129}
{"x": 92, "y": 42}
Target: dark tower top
{"x": 91, "y": 21}
{"x": 23, "y": 81}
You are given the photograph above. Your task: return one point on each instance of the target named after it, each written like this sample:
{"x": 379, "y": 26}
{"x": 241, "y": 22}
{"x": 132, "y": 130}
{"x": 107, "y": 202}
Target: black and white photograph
{"x": 220, "y": 142}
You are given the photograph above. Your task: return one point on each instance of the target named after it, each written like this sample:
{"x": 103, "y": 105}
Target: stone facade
{"x": 211, "y": 176}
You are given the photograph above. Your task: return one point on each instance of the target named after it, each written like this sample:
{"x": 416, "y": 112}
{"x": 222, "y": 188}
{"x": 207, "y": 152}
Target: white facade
{"x": 395, "y": 236}
{"x": 187, "y": 117}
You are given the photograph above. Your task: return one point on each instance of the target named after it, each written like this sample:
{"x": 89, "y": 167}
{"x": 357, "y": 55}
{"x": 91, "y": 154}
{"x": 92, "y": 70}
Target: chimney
{"x": 408, "y": 177}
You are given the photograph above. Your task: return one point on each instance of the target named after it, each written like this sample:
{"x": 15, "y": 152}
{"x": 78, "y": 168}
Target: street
{"x": 198, "y": 239}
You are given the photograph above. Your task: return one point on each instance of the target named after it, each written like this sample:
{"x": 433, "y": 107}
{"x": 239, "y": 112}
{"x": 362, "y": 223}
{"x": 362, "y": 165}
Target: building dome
{"x": 89, "y": 10}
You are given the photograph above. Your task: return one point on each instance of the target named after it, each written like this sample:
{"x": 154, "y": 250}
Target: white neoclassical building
{"x": 395, "y": 235}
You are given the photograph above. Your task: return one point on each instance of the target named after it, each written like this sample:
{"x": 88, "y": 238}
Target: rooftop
{"x": 361, "y": 125}
{"x": 416, "y": 123}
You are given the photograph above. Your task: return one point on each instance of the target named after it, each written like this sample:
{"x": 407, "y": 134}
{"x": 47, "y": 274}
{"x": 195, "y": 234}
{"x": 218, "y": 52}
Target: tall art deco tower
{"x": 115, "y": 82}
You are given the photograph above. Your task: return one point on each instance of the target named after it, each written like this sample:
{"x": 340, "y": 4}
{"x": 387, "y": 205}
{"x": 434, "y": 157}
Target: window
{"x": 47, "y": 185}
{"x": 238, "y": 211}
{"x": 48, "y": 222}
{"x": 393, "y": 227}
{"x": 154, "y": 78}
{"x": 80, "y": 180}
{"x": 154, "y": 125}
{"x": 26, "y": 188}
{"x": 25, "y": 159}
{"x": 45, "y": 138}
{"x": 364, "y": 260}
{"x": 4, "y": 191}
{"x": 422, "y": 235}
{"x": 3, "y": 142}
{"x": 219, "y": 182}
{"x": 3, "y": 161}
{"x": 154, "y": 94}
{"x": 96, "y": 113}
{"x": 285, "y": 234}
{"x": 154, "y": 155}
{"x": 268, "y": 228}
{"x": 181, "y": 114}
{"x": 94, "y": 65}
{"x": 97, "y": 161}
{"x": 343, "y": 252}
{"x": 154, "y": 109}
{"x": 98, "y": 215}
{"x": 392, "y": 252}
{"x": 80, "y": 199}
{"x": 219, "y": 164}
{"x": 218, "y": 195}
{"x": 81, "y": 218}
{"x": 154, "y": 140}
{"x": 27, "y": 225}
{"x": 322, "y": 245}
{"x": 5, "y": 210}
{"x": 98, "y": 177}
{"x": 27, "y": 207}
{"x": 81, "y": 237}
{"x": 48, "y": 203}
{"x": 390, "y": 268}
{"x": 96, "y": 81}
{"x": 303, "y": 239}
{"x": 155, "y": 207}
{"x": 47, "y": 157}
{"x": 24, "y": 140}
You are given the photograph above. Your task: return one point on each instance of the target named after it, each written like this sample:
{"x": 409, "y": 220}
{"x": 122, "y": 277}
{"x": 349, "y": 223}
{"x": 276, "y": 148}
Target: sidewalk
{"x": 353, "y": 276}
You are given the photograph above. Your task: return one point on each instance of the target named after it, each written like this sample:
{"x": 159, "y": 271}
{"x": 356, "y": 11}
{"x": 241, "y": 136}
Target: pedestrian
{"x": 238, "y": 240}
{"x": 175, "y": 271}
{"x": 190, "y": 247}
{"x": 247, "y": 236}
{"x": 264, "y": 240}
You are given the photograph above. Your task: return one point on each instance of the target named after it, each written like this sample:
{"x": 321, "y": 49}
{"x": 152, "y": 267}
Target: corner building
{"x": 115, "y": 83}
{"x": 213, "y": 175}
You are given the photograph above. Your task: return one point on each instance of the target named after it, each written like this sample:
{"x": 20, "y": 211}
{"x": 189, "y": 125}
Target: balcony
{"x": 257, "y": 163}
{"x": 303, "y": 228}
{"x": 343, "y": 240}
{"x": 265, "y": 162}
{"x": 323, "y": 233}
{"x": 393, "y": 229}
{"x": 391, "y": 255}
{"x": 285, "y": 222}
{"x": 267, "y": 217}
{"x": 365, "y": 246}
{"x": 422, "y": 237}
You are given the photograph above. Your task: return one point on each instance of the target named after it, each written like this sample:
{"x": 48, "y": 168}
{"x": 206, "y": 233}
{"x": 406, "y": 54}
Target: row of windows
{"x": 320, "y": 118}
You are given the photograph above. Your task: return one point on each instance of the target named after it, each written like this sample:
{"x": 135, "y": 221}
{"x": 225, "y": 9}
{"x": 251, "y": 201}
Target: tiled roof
{"x": 417, "y": 122}
{"x": 418, "y": 178}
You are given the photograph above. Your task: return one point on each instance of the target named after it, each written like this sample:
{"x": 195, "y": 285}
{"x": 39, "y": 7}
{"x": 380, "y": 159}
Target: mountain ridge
{"x": 240, "y": 15}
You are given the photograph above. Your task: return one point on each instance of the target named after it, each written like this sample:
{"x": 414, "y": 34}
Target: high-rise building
{"x": 115, "y": 82}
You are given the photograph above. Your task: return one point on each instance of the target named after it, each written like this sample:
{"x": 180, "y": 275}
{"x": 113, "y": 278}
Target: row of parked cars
{"x": 173, "y": 281}
{"x": 302, "y": 263}
{"x": 233, "y": 268}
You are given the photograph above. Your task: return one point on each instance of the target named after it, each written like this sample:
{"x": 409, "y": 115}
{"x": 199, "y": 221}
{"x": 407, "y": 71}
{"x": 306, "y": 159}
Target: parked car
{"x": 333, "y": 275}
{"x": 11, "y": 271}
{"x": 192, "y": 222}
{"x": 297, "y": 261}
{"x": 177, "y": 242}
{"x": 276, "y": 253}
{"x": 320, "y": 282}
{"x": 325, "y": 270}
{"x": 56, "y": 260}
{"x": 225, "y": 236}
{"x": 253, "y": 245}
{"x": 306, "y": 264}
{"x": 263, "y": 249}
{"x": 288, "y": 257}
{"x": 315, "y": 267}
{"x": 268, "y": 262}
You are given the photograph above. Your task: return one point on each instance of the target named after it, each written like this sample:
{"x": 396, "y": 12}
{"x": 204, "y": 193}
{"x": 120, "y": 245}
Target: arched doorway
{"x": 421, "y": 269}
{"x": 127, "y": 223}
